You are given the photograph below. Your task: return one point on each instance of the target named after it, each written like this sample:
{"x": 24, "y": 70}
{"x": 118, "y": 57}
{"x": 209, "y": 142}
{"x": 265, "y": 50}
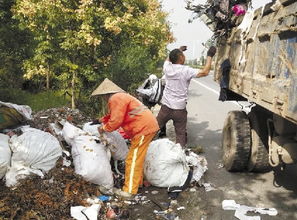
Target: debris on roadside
{"x": 208, "y": 187}
{"x": 88, "y": 213}
{"x": 30, "y": 155}
{"x": 219, "y": 165}
{"x": 181, "y": 208}
{"x": 168, "y": 165}
{"x": 242, "y": 210}
{"x": 219, "y": 16}
{"x": 13, "y": 115}
{"x": 48, "y": 119}
{"x": 59, "y": 190}
{"x": 154, "y": 192}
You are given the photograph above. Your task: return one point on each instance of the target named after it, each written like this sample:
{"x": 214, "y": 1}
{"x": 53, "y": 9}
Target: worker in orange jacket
{"x": 138, "y": 122}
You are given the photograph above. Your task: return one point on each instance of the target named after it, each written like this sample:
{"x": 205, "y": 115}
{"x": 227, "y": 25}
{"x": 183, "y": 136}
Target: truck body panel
{"x": 263, "y": 59}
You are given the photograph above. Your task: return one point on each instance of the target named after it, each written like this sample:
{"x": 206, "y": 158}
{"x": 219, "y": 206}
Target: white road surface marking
{"x": 244, "y": 108}
{"x": 210, "y": 89}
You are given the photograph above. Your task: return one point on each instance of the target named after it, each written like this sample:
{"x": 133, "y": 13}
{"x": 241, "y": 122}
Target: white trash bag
{"x": 70, "y": 132}
{"x": 5, "y": 154}
{"x": 165, "y": 164}
{"x": 24, "y": 110}
{"x": 90, "y": 158}
{"x": 34, "y": 151}
{"x": 117, "y": 144}
{"x": 199, "y": 164}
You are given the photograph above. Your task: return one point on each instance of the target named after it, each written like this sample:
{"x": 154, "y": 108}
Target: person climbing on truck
{"x": 177, "y": 81}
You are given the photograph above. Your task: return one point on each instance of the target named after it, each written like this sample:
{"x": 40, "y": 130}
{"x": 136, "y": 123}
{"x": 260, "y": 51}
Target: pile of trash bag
{"x": 219, "y": 15}
{"x": 36, "y": 164}
{"x": 57, "y": 163}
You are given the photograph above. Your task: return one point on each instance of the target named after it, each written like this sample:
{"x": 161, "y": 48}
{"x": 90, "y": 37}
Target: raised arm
{"x": 205, "y": 71}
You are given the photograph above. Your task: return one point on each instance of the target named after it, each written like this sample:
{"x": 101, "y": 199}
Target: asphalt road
{"x": 276, "y": 189}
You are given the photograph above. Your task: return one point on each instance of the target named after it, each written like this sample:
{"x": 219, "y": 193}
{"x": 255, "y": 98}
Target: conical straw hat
{"x": 106, "y": 87}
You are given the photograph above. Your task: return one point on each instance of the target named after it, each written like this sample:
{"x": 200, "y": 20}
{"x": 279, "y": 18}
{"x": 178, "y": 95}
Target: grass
{"x": 38, "y": 101}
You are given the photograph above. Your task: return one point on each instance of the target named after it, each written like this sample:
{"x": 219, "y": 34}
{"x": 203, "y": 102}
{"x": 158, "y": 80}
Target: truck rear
{"x": 257, "y": 61}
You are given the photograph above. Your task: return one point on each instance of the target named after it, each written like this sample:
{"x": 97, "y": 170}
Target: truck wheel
{"x": 236, "y": 141}
{"x": 259, "y": 159}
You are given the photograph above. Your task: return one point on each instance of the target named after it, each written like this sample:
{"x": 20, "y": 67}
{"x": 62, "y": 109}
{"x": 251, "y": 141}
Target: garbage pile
{"x": 43, "y": 119}
{"x": 53, "y": 167}
{"x": 219, "y": 15}
{"x": 151, "y": 91}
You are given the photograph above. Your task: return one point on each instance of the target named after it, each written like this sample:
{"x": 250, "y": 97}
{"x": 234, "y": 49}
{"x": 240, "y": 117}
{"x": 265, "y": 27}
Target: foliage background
{"x": 65, "y": 48}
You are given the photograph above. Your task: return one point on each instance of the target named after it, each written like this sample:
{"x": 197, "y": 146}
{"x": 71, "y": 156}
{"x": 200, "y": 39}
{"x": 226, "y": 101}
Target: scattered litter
{"x": 130, "y": 202}
{"x": 242, "y": 210}
{"x": 44, "y": 118}
{"x": 203, "y": 217}
{"x": 61, "y": 187}
{"x": 220, "y": 165}
{"x": 181, "y": 208}
{"x": 166, "y": 215}
{"x": 154, "y": 192}
{"x": 230, "y": 205}
{"x": 208, "y": 187}
{"x": 67, "y": 153}
{"x": 199, "y": 165}
{"x": 193, "y": 190}
{"x": 173, "y": 202}
{"x": 141, "y": 199}
{"x": 146, "y": 183}
{"x": 160, "y": 212}
{"x": 66, "y": 163}
{"x": 110, "y": 214}
{"x": 104, "y": 198}
{"x": 85, "y": 213}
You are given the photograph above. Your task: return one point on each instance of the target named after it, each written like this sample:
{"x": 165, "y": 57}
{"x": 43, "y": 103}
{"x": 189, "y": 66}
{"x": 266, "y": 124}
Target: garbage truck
{"x": 257, "y": 62}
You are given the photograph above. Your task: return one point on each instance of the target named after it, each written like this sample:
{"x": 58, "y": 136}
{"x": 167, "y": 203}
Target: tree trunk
{"x": 73, "y": 91}
{"x": 47, "y": 79}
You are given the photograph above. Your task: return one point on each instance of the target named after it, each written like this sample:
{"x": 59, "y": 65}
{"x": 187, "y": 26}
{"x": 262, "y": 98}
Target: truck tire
{"x": 236, "y": 141}
{"x": 259, "y": 159}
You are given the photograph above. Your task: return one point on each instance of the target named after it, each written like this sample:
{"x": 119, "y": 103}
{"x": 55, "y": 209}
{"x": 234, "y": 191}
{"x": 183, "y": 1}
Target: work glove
{"x": 100, "y": 129}
{"x": 95, "y": 122}
{"x": 211, "y": 51}
{"x": 183, "y": 48}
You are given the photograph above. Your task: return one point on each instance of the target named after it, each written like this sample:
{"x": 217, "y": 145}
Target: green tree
{"x": 81, "y": 42}
{"x": 14, "y": 47}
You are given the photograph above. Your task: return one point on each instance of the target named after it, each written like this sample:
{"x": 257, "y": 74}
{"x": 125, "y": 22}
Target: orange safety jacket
{"x": 129, "y": 113}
